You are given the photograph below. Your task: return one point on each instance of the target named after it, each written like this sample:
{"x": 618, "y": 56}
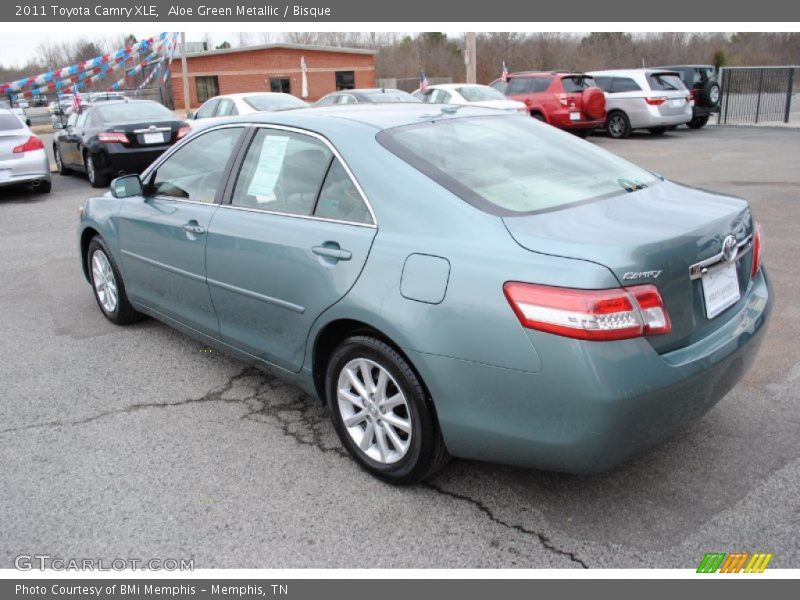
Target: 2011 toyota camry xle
{"x": 450, "y": 281}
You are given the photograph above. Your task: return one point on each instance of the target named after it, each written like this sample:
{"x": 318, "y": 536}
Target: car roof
{"x": 630, "y": 72}
{"x": 543, "y": 73}
{"x": 375, "y": 116}
{"x": 240, "y": 95}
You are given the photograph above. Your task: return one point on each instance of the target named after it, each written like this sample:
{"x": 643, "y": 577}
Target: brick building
{"x": 273, "y": 67}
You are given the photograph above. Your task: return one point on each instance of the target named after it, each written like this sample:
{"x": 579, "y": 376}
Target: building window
{"x": 345, "y": 80}
{"x": 280, "y": 84}
{"x": 207, "y": 87}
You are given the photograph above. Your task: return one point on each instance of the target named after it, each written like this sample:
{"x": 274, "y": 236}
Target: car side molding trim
{"x": 161, "y": 265}
{"x": 256, "y": 296}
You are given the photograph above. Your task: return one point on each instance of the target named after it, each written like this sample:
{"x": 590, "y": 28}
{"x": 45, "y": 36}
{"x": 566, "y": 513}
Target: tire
{"x": 62, "y": 170}
{"x": 618, "y": 125}
{"x": 538, "y": 116}
{"x": 658, "y": 130}
{"x": 710, "y": 94}
{"x": 418, "y": 451}
{"x": 44, "y": 187}
{"x": 697, "y": 122}
{"x": 120, "y": 311}
{"x": 97, "y": 180}
{"x": 593, "y": 103}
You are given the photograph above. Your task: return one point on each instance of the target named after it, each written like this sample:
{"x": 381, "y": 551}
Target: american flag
{"x": 76, "y": 101}
{"x": 423, "y": 82}
{"x": 504, "y": 74}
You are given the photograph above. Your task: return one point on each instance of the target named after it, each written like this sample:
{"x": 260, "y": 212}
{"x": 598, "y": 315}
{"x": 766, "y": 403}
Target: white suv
{"x": 653, "y": 99}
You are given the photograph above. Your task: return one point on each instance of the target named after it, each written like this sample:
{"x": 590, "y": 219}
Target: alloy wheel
{"x": 105, "y": 284}
{"x": 374, "y": 411}
{"x": 90, "y": 169}
{"x": 616, "y": 126}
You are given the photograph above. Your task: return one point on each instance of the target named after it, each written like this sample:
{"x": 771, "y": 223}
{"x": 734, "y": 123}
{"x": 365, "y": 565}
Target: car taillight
{"x": 757, "y": 250}
{"x": 112, "y": 137}
{"x": 183, "y": 131}
{"x": 562, "y": 98}
{"x": 655, "y": 100}
{"x": 613, "y": 314}
{"x": 32, "y": 143}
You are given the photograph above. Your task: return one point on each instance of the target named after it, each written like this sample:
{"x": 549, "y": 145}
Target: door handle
{"x": 333, "y": 252}
{"x": 193, "y": 227}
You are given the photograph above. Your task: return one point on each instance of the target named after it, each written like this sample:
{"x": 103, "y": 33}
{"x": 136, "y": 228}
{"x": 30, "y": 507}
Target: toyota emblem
{"x": 729, "y": 248}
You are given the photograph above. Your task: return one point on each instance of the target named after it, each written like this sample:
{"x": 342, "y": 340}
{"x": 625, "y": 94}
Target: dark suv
{"x": 570, "y": 101}
{"x": 701, "y": 80}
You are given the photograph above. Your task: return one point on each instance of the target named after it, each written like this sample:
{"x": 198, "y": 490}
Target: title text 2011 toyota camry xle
{"x": 450, "y": 281}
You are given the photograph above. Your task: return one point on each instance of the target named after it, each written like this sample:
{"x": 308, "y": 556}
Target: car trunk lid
{"x": 650, "y": 236}
{"x": 10, "y": 139}
{"x": 143, "y": 135}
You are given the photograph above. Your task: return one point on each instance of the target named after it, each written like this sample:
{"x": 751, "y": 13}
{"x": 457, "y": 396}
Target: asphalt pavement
{"x": 138, "y": 442}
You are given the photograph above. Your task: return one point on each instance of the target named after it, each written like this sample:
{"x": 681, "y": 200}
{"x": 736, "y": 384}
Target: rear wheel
{"x": 538, "y": 116}
{"x": 697, "y": 122}
{"x": 381, "y": 412}
{"x": 96, "y": 179}
{"x": 658, "y": 130}
{"x": 618, "y": 125}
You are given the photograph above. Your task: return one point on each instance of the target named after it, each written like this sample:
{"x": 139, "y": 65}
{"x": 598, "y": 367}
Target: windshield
{"x": 274, "y": 102}
{"x": 480, "y": 93}
{"x": 512, "y": 164}
{"x": 134, "y": 112}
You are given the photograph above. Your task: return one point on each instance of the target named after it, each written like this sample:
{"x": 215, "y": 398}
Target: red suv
{"x": 570, "y": 101}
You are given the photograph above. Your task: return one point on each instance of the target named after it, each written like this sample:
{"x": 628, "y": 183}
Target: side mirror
{"x": 127, "y": 186}
{"x": 189, "y": 114}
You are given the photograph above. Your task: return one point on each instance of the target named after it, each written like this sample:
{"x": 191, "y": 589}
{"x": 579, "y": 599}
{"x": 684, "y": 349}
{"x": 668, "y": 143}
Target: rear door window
{"x": 604, "y": 83}
{"x": 339, "y": 199}
{"x": 624, "y": 84}
{"x": 282, "y": 172}
{"x": 528, "y": 85}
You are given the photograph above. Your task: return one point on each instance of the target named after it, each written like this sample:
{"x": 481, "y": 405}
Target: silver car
{"x": 653, "y": 99}
{"x": 22, "y": 155}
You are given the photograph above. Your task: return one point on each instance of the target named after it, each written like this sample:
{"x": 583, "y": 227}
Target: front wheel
{"x": 618, "y": 125}
{"x": 381, "y": 412}
{"x": 109, "y": 289}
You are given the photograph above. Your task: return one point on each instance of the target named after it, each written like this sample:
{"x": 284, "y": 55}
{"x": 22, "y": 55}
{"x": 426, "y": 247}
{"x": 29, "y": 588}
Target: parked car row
{"x": 448, "y": 280}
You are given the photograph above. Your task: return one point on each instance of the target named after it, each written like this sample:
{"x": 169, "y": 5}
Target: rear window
{"x": 480, "y": 93}
{"x": 264, "y": 102}
{"x": 528, "y": 85}
{"x": 391, "y": 97}
{"x": 577, "y": 84}
{"x": 666, "y": 82}
{"x": 512, "y": 164}
{"x": 118, "y": 113}
{"x": 9, "y": 123}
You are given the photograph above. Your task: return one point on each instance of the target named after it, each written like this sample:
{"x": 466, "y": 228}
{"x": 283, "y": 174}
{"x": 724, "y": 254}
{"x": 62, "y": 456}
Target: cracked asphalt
{"x": 138, "y": 442}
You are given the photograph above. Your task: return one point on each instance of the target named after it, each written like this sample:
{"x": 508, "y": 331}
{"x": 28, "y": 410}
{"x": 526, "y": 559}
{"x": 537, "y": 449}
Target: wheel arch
{"x": 86, "y": 238}
{"x": 335, "y": 332}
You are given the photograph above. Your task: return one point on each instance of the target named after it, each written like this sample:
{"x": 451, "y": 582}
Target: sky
{"x": 16, "y": 48}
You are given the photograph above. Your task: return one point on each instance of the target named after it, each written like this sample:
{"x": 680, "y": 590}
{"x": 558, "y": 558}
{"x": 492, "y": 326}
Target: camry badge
{"x": 641, "y": 275}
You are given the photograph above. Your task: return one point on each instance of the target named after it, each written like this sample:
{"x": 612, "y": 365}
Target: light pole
{"x": 471, "y": 58}
{"x": 185, "y": 74}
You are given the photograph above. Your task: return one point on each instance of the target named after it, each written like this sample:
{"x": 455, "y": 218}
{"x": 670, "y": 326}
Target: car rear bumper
{"x": 562, "y": 120}
{"x": 594, "y": 404}
{"x": 116, "y": 159}
{"x": 33, "y": 166}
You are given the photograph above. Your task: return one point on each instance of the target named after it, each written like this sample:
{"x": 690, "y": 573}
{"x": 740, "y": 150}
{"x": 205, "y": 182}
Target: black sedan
{"x": 113, "y": 137}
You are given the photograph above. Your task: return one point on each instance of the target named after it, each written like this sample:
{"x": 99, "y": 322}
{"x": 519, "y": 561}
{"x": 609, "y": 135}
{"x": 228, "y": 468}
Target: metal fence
{"x": 758, "y": 95}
